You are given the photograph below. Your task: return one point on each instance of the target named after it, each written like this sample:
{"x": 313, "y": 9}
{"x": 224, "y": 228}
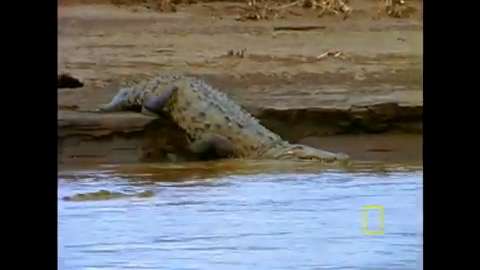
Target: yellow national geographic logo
{"x": 381, "y": 216}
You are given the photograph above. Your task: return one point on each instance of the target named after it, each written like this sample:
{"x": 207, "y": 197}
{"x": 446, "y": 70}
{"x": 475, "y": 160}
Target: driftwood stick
{"x": 289, "y": 5}
{"x": 298, "y": 28}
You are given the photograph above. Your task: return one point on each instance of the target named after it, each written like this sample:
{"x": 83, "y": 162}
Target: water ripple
{"x": 261, "y": 221}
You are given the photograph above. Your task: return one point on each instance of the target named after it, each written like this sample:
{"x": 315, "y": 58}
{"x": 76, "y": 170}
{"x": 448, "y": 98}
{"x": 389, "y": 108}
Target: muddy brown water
{"x": 236, "y": 215}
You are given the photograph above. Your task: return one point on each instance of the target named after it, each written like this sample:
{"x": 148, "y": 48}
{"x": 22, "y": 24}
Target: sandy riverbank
{"x": 374, "y": 88}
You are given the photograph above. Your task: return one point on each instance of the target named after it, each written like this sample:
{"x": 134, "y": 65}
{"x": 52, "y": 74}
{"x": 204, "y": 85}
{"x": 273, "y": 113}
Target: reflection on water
{"x": 234, "y": 215}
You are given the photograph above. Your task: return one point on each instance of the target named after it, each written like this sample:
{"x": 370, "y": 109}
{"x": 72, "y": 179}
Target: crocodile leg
{"x": 155, "y": 104}
{"x": 147, "y": 112}
{"x": 213, "y": 145}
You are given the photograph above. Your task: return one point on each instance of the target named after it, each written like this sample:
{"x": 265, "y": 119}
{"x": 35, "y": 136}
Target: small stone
{"x": 359, "y": 76}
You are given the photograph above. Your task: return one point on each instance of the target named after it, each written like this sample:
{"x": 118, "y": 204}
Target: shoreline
{"x": 372, "y": 94}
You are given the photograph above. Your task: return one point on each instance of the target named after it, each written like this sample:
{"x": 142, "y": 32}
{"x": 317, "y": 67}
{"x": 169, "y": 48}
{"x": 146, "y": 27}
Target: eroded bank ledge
{"x": 133, "y": 137}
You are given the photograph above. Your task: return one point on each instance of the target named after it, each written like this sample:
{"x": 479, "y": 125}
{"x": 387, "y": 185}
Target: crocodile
{"x": 212, "y": 121}
{"x": 105, "y": 195}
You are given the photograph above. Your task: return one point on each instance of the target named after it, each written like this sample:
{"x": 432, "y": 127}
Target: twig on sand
{"x": 332, "y": 53}
{"x": 291, "y": 4}
{"x": 298, "y": 28}
{"x": 156, "y": 5}
{"x": 68, "y": 107}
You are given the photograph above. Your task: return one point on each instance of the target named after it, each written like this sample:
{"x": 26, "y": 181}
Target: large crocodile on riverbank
{"x": 214, "y": 123}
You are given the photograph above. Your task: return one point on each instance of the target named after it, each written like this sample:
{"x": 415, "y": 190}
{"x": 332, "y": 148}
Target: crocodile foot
{"x": 212, "y": 146}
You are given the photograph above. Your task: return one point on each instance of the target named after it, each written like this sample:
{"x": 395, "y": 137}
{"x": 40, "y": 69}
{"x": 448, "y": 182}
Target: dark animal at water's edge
{"x": 213, "y": 122}
{"x": 65, "y": 80}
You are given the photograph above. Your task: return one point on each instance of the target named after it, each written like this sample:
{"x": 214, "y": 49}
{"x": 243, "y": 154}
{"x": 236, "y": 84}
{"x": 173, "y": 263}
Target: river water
{"x": 225, "y": 216}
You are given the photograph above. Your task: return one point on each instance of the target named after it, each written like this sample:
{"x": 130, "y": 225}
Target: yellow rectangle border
{"x": 365, "y": 229}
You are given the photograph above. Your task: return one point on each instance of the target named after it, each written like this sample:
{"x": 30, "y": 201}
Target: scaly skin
{"x": 211, "y": 120}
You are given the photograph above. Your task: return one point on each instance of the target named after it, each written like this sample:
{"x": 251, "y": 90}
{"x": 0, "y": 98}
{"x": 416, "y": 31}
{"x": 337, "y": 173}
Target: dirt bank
{"x": 282, "y": 78}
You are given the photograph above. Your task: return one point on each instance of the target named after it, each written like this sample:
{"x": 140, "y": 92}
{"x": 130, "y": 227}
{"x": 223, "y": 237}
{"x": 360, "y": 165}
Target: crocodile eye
{"x": 123, "y": 92}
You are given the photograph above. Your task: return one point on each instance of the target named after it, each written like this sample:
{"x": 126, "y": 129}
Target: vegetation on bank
{"x": 273, "y": 9}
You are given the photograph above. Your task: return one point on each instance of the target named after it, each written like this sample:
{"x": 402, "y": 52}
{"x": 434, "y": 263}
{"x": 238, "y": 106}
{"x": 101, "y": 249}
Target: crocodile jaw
{"x": 125, "y": 99}
{"x": 303, "y": 152}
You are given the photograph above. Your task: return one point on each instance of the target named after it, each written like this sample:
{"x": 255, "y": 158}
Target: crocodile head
{"x": 303, "y": 152}
{"x": 125, "y": 99}
{"x": 105, "y": 195}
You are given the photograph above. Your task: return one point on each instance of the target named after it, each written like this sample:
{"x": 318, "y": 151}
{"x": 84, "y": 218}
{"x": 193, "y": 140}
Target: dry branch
{"x": 396, "y": 8}
{"x": 264, "y": 10}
